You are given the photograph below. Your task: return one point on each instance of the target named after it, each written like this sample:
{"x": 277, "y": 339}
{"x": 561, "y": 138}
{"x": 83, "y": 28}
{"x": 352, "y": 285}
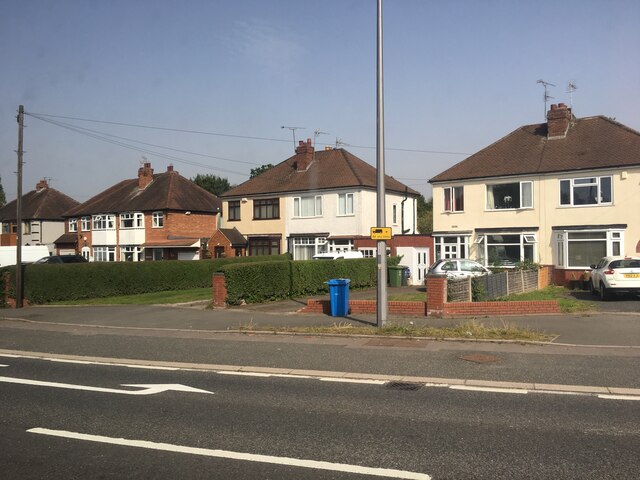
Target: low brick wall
{"x": 368, "y": 306}
{"x": 501, "y": 308}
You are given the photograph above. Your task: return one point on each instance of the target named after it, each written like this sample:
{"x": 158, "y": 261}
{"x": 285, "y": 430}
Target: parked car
{"x": 337, "y": 255}
{"x": 615, "y": 274}
{"x": 458, "y": 268}
{"x": 62, "y": 259}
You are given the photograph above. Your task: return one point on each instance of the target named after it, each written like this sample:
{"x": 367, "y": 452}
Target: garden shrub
{"x": 257, "y": 282}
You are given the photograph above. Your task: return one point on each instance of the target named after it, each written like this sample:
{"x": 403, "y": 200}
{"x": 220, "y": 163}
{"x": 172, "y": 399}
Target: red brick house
{"x": 152, "y": 217}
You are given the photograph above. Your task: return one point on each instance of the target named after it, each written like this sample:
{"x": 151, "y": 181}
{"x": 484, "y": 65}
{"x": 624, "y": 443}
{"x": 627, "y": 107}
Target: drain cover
{"x": 480, "y": 358}
{"x": 404, "y": 386}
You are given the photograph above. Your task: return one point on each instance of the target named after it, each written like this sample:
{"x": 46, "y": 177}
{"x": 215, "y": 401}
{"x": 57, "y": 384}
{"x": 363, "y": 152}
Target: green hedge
{"x": 275, "y": 280}
{"x": 48, "y": 283}
{"x": 258, "y": 282}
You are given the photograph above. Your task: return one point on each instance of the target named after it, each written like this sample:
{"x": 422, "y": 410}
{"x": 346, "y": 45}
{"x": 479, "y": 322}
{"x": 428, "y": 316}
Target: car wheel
{"x": 604, "y": 293}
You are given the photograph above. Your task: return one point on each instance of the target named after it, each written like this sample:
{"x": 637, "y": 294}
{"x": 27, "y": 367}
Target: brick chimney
{"x": 558, "y": 121}
{"x": 41, "y": 185}
{"x": 145, "y": 175}
{"x": 169, "y": 168}
{"x": 304, "y": 155}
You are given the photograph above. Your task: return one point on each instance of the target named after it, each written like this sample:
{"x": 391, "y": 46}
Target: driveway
{"x": 619, "y": 303}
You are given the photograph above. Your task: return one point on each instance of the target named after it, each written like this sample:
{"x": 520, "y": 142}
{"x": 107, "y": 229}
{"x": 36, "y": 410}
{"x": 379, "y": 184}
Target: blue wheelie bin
{"x": 339, "y": 296}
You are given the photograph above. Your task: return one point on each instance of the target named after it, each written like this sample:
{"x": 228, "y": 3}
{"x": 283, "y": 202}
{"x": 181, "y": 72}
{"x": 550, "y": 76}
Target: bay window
{"x": 104, "y": 254}
{"x": 451, "y": 246}
{"x": 506, "y": 249}
{"x": 582, "y": 248}
{"x": 104, "y": 222}
{"x": 131, "y": 220}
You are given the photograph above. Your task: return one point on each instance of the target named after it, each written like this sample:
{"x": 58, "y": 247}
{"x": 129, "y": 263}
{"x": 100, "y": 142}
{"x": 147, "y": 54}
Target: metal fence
{"x": 490, "y": 287}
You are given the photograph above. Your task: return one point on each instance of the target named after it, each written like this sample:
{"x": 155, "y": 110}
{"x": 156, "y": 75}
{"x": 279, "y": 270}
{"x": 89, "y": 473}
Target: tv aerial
{"x": 293, "y": 131}
{"x": 546, "y": 97}
{"x": 571, "y": 87}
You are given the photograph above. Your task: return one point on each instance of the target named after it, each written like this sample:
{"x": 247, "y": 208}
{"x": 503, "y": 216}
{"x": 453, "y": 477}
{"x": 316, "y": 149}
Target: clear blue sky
{"x": 459, "y": 75}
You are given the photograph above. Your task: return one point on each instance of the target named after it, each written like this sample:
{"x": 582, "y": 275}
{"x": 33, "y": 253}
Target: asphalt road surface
{"x": 77, "y": 420}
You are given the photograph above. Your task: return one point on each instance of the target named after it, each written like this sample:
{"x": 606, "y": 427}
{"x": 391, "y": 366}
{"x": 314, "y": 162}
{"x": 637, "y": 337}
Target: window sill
{"x": 587, "y": 206}
{"x": 273, "y": 218}
{"x": 449, "y": 212}
{"x": 508, "y": 209}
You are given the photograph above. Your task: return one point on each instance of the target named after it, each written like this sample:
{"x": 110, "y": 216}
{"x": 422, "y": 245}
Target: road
{"x": 78, "y": 423}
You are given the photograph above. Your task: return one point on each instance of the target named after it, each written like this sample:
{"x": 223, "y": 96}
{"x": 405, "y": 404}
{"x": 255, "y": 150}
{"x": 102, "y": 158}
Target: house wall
{"x": 547, "y": 211}
{"x": 247, "y": 225}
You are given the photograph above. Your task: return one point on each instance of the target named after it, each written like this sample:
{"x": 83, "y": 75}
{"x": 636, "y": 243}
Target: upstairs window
{"x": 586, "y": 191}
{"x": 234, "y": 210}
{"x": 345, "y": 204}
{"x": 86, "y": 224}
{"x": 454, "y": 199}
{"x": 131, "y": 220}
{"x": 513, "y": 195}
{"x": 73, "y": 225}
{"x": 157, "y": 220}
{"x": 104, "y": 222}
{"x": 266, "y": 209}
{"x": 307, "y": 206}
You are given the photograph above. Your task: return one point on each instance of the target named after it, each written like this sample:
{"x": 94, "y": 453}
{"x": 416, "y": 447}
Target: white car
{"x": 338, "y": 255}
{"x": 615, "y": 274}
{"x": 458, "y": 268}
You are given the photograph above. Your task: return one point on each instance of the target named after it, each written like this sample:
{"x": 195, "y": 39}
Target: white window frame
{"x": 614, "y": 241}
{"x": 319, "y": 245}
{"x": 133, "y": 249}
{"x": 157, "y": 219}
{"x": 85, "y": 223}
{"x": 136, "y": 219}
{"x": 104, "y": 254}
{"x": 453, "y": 204}
{"x": 317, "y": 206}
{"x": 527, "y": 239}
{"x": 456, "y": 249}
{"x": 573, "y": 185}
{"x": 521, "y": 187}
{"x": 73, "y": 225}
{"x": 344, "y": 209}
{"x": 103, "y": 222}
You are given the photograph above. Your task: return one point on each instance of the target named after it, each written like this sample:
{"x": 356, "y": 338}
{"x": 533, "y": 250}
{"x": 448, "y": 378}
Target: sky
{"x": 206, "y": 86}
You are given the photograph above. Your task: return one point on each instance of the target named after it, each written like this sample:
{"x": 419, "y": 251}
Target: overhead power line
{"x": 228, "y": 135}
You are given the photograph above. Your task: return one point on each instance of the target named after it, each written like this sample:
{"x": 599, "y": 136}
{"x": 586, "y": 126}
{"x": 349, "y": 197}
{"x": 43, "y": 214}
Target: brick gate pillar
{"x": 219, "y": 290}
{"x": 436, "y": 294}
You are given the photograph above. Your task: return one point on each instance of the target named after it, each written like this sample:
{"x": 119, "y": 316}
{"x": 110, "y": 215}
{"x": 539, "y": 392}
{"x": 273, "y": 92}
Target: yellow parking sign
{"x": 380, "y": 233}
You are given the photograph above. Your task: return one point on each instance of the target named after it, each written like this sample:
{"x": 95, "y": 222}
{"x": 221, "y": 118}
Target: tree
{"x": 212, "y": 183}
{"x": 425, "y": 215}
{"x": 3, "y": 199}
{"x": 261, "y": 169}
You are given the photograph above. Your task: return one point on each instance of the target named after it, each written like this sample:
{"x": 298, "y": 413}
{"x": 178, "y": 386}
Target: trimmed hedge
{"x": 48, "y": 283}
{"x": 277, "y": 280}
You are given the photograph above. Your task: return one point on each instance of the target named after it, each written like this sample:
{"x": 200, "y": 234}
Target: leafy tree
{"x": 425, "y": 215}
{"x": 3, "y": 199}
{"x": 212, "y": 183}
{"x": 261, "y": 169}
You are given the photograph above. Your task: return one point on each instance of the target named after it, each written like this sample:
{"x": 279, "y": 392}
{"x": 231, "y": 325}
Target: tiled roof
{"x": 234, "y": 236}
{"x": 168, "y": 191}
{"x": 590, "y": 143}
{"x": 43, "y": 204}
{"x": 336, "y": 168}
{"x": 66, "y": 238}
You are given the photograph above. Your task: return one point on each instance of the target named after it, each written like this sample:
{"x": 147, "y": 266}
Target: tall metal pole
{"x": 381, "y": 310}
{"x": 19, "y": 282}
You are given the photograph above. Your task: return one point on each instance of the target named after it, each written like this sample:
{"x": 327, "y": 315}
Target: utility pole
{"x": 381, "y": 290}
{"x": 19, "y": 282}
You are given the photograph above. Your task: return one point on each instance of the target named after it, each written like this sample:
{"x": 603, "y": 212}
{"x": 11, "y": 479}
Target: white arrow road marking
{"x": 3, "y": 365}
{"x": 249, "y": 457}
{"x": 146, "y": 389}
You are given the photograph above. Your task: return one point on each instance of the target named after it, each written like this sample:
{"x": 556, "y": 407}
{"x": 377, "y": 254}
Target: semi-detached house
{"x": 321, "y": 201}
{"x": 152, "y": 217}
{"x": 563, "y": 193}
{"x": 42, "y": 220}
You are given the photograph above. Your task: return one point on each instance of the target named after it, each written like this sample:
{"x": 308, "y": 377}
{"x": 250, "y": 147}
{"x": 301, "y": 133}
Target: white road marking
{"x": 352, "y": 380}
{"x": 146, "y": 389}
{"x": 1, "y": 365}
{"x": 244, "y": 374}
{"x": 89, "y": 362}
{"x": 618, "y": 397}
{"x": 248, "y": 457}
{"x": 488, "y": 389}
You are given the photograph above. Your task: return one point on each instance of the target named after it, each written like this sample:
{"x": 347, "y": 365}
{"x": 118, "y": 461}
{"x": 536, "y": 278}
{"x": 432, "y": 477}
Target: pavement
{"x": 597, "y": 328}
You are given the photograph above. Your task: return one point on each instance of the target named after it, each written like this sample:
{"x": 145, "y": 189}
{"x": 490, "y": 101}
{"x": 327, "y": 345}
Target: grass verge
{"x": 566, "y": 302}
{"x": 154, "y": 298}
{"x": 469, "y": 330}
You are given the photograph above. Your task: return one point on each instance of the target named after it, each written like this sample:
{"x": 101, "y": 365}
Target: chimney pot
{"x": 41, "y": 185}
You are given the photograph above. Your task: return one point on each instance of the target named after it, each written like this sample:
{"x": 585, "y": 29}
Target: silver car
{"x": 615, "y": 274}
{"x": 458, "y": 268}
